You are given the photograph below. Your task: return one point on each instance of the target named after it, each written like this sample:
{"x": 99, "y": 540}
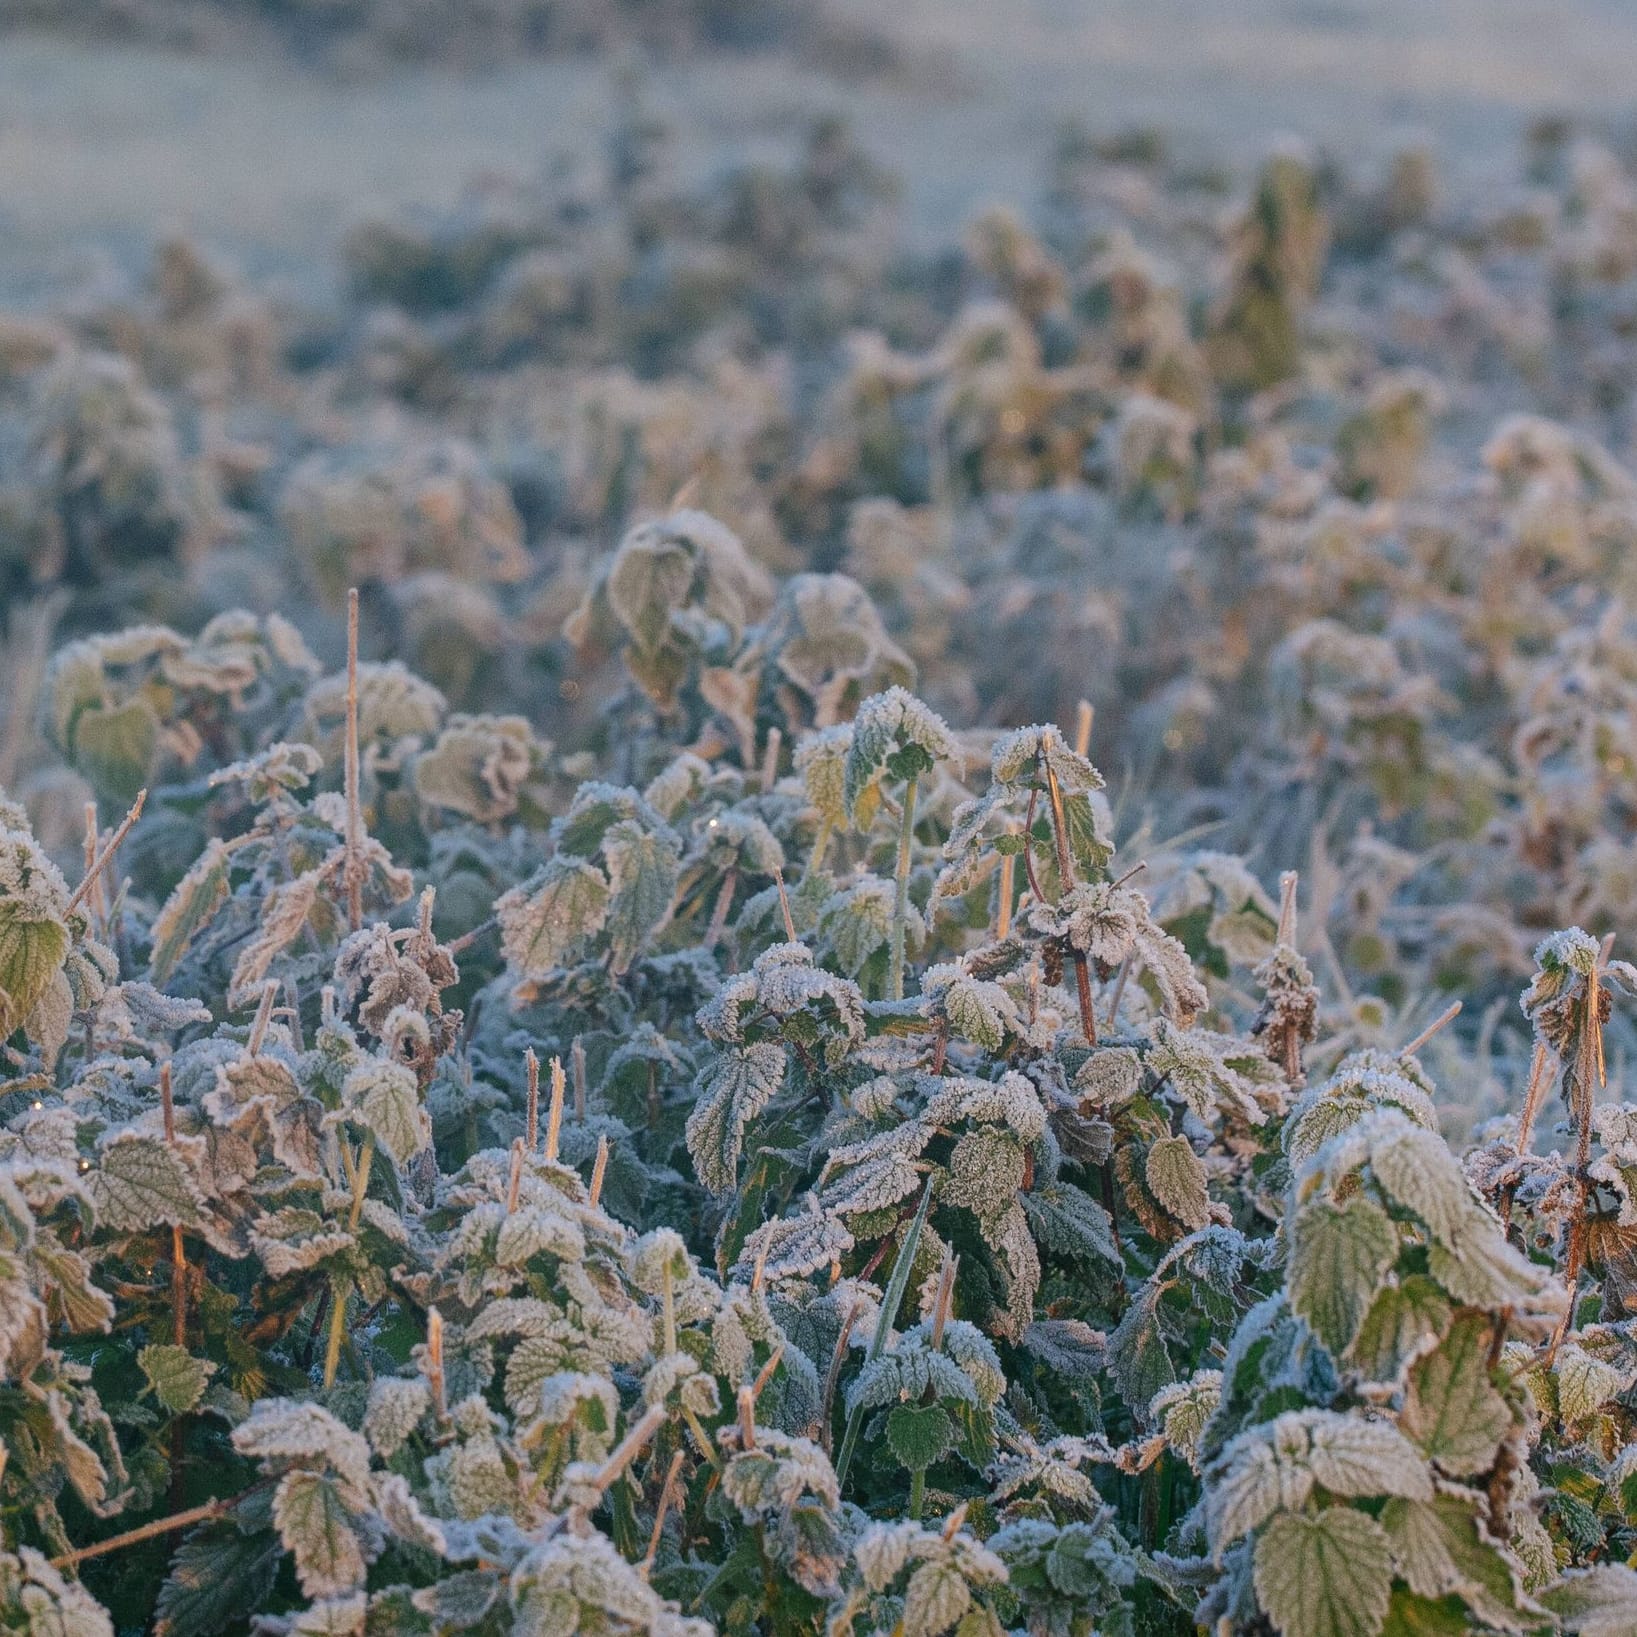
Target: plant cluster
{"x": 1033, "y": 1280}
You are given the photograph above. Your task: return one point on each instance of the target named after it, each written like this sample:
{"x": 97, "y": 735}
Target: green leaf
{"x": 644, "y": 868}
{"x": 192, "y": 905}
{"x": 1596, "y": 1602}
{"x": 1404, "y": 1321}
{"x": 920, "y": 1435}
{"x": 1443, "y": 1550}
{"x": 175, "y": 1377}
{"x": 140, "y": 1183}
{"x": 1451, "y": 1409}
{"x": 736, "y": 1088}
{"x": 115, "y": 746}
{"x": 1137, "y": 1355}
{"x": 1412, "y": 1616}
{"x": 543, "y": 921}
{"x": 316, "y": 1527}
{"x": 649, "y": 580}
{"x": 216, "y": 1576}
{"x": 1324, "y": 1576}
{"x": 1338, "y": 1257}
{"x": 1069, "y": 1222}
{"x": 385, "y": 1098}
{"x": 937, "y": 1596}
{"x": 31, "y": 954}
{"x": 1176, "y": 1178}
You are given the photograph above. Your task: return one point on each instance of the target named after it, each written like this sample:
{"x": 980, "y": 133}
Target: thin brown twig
{"x": 353, "y": 871}
{"x": 105, "y": 857}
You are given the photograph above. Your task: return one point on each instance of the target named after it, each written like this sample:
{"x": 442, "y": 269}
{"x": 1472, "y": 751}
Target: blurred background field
{"x": 270, "y": 141}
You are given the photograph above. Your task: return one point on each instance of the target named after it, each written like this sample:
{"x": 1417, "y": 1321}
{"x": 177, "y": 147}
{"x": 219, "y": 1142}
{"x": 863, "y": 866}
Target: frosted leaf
{"x": 285, "y": 912}
{"x": 291, "y": 1240}
{"x": 385, "y": 1099}
{"x": 1451, "y": 1407}
{"x": 821, "y": 759}
{"x": 658, "y": 1255}
{"x": 544, "y": 921}
{"x": 796, "y": 1246}
{"x": 1109, "y": 1076}
{"x": 1324, "y": 1576}
{"x": 1011, "y": 1101}
{"x": 877, "y": 1172}
{"x": 985, "y": 1173}
{"x": 396, "y": 1407}
{"x": 1273, "y": 1469}
{"x": 175, "y": 1377}
{"x": 1440, "y": 1548}
{"x": 936, "y": 1597}
{"x": 282, "y": 1431}
{"x": 192, "y": 905}
{"x": 906, "y": 1372}
{"x": 976, "y": 1355}
{"x": 1182, "y": 1409}
{"x": 1585, "y": 1383}
{"x": 729, "y": 1095}
{"x": 1338, "y": 1257}
{"x": 1110, "y": 924}
{"x": 49, "y": 1605}
{"x": 857, "y": 921}
{"x": 884, "y": 1550}
{"x": 783, "y": 981}
{"x": 643, "y": 869}
{"x": 1176, "y": 1178}
{"x": 895, "y": 731}
{"x": 398, "y": 1509}
{"x": 140, "y": 1182}
{"x": 1016, "y": 756}
{"x": 315, "y": 1525}
{"x": 1404, "y": 1321}
{"x": 478, "y": 767}
{"x": 1597, "y": 1602}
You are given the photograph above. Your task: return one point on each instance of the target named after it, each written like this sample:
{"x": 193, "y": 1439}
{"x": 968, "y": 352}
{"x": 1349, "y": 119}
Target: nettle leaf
{"x": 1597, "y": 1602}
{"x": 1442, "y": 1550}
{"x": 543, "y": 921}
{"x": 936, "y": 1597}
{"x": 315, "y": 1524}
{"x": 385, "y": 1098}
{"x": 920, "y": 1435}
{"x": 191, "y": 907}
{"x": 31, "y": 955}
{"x": 1338, "y": 1257}
{"x": 1585, "y": 1383}
{"x": 175, "y": 1377}
{"x": 644, "y": 867}
{"x": 1403, "y": 1322}
{"x": 732, "y": 1092}
{"x": 1138, "y": 1358}
{"x": 894, "y": 732}
{"x": 1176, "y": 1178}
{"x": 1451, "y": 1408}
{"x": 1069, "y": 1222}
{"x": 1274, "y": 1468}
{"x": 216, "y": 1576}
{"x": 140, "y": 1182}
{"x": 1324, "y": 1576}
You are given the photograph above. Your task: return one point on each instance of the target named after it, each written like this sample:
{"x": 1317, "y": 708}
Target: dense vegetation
{"x": 594, "y": 1108}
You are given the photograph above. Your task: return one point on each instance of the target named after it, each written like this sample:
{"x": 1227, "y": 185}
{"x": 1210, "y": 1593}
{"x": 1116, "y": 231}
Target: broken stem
{"x": 353, "y": 871}
{"x": 101, "y": 862}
